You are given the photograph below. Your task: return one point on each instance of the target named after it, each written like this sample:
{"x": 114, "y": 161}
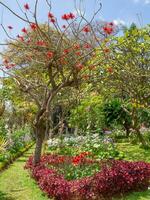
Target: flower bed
{"x": 113, "y": 178}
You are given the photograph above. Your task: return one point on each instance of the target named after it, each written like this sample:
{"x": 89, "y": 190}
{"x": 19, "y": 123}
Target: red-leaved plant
{"x": 114, "y": 179}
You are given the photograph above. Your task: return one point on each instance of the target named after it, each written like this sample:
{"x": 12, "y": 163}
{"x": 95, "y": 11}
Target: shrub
{"x": 115, "y": 178}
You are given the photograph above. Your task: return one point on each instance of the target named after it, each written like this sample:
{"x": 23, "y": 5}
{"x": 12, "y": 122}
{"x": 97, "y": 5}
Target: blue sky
{"x": 120, "y": 11}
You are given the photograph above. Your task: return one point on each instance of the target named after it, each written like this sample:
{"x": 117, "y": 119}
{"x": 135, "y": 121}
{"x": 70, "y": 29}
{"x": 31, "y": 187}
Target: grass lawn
{"x": 16, "y": 184}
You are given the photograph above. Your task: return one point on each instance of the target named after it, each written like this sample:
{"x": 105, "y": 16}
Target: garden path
{"x": 16, "y": 184}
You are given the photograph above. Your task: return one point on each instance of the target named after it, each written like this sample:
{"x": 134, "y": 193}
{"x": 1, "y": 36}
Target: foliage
{"x": 116, "y": 114}
{"x": 88, "y": 115}
{"x": 3, "y": 130}
{"x": 18, "y": 141}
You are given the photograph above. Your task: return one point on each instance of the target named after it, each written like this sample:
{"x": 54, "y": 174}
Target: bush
{"x": 114, "y": 179}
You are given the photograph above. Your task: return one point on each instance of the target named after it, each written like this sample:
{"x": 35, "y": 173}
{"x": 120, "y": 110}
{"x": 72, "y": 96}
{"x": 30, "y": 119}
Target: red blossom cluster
{"x": 80, "y": 158}
{"x": 108, "y": 28}
{"x": 33, "y": 26}
{"x": 86, "y": 29}
{"x": 68, "y": 16}
{"x": 115, "y": 178}
{"x": 51, "y": 17}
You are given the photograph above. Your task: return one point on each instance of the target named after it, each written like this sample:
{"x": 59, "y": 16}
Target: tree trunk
{"x": 141, "y": 138}
{"x": 40, "y": 134}
{"x": 127, "y": 129}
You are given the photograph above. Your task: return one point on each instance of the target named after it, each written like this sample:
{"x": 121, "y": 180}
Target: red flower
{"x": 26, "y": 6}
{"x": 24, "y": 30}
{"x": 76, "y": 160}
{"x": 108, "y": 30}
{"x": 86, "y": 29}
{"x": 10, "y": 27}
{"x": 50, "y": 54}
{"x": 66, "y": 17}
{"x": 71, "y": 15}
{"x": 66, "y": 51}
{"x": 50, "y": 15}
{"x": 33, "y": 26}
{"x": 53, "y": 20}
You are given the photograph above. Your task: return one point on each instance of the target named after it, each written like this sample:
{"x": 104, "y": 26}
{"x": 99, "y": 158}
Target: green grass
{"x": 16, "y": 184}
{"x": 135, "y": 153}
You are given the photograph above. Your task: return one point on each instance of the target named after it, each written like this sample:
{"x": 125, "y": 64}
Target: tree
{"x": 47, "y": 58}
{"x": 126, "y": 72}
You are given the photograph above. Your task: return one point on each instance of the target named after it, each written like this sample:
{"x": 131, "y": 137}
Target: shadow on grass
{"x": 4, "y": 196}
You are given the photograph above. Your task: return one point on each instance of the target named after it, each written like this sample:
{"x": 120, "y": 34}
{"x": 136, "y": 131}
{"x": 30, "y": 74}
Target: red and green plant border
{"x": 116, "y": 177}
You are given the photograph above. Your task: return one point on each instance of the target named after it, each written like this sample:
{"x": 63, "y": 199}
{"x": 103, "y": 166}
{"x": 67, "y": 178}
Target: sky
{"x": 119, "y": 11}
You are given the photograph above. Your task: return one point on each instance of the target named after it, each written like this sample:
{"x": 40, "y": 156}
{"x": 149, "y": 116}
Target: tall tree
{"x": 46, "y": 58}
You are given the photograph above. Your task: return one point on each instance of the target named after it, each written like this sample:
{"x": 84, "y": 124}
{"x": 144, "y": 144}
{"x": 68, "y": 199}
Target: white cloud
{"x": 142, "y": 1}
{"x": 119, "y": 22}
